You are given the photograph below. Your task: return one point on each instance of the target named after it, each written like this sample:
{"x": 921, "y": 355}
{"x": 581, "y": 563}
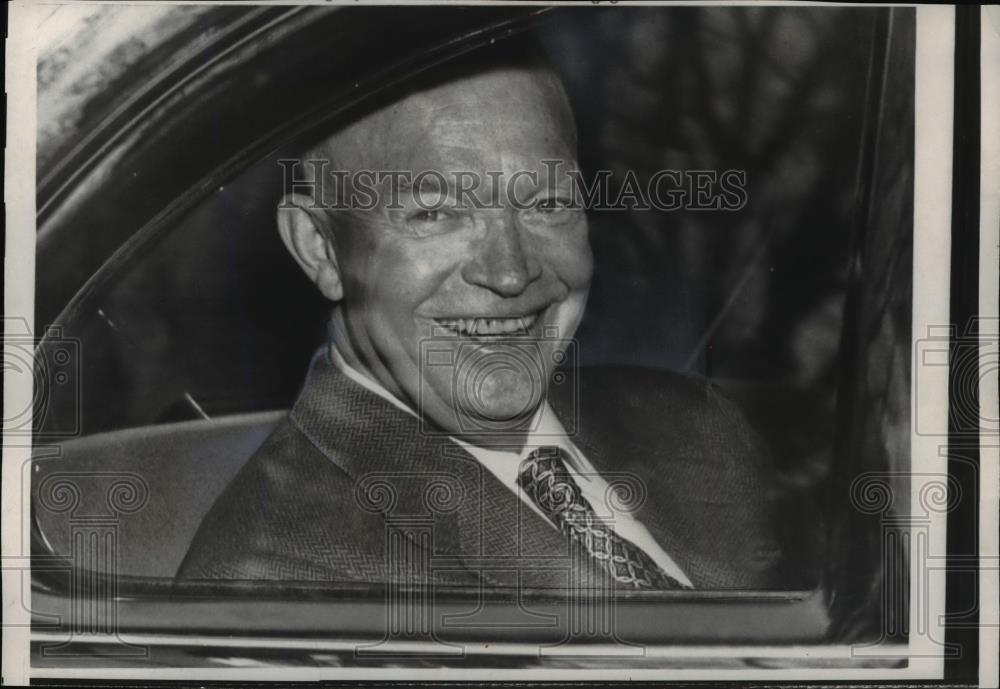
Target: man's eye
{"x": 437, "y": 221}
{"x": 426, "y": 216}
{"x": 552, "y": 211}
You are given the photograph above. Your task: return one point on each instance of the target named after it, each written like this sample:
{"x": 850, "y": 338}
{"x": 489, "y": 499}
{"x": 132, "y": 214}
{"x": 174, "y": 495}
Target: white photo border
{"x": 932, "y": 221}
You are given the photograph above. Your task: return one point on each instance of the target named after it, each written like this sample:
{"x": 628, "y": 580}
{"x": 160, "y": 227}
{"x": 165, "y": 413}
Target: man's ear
{"x": 309, "y": 245}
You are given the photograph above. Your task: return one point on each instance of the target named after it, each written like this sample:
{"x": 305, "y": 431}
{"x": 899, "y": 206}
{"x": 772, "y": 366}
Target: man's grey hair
{"x": 512, "y": 54}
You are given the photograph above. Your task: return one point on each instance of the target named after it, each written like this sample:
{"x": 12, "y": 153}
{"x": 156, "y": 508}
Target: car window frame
{"x": 55, "y": 204}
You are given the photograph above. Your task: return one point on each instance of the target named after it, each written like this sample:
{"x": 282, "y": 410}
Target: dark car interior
{"x": 185, "y": 328}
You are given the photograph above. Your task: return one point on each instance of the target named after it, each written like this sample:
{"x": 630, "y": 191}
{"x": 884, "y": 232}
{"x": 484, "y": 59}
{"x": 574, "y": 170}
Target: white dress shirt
{"x": 547, "y": 431}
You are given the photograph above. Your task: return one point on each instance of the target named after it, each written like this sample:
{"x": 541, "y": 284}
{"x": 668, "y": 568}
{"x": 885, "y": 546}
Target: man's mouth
{"x": 481, "y": 327}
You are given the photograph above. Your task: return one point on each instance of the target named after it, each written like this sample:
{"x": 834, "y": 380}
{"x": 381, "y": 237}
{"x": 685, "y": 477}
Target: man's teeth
{"x": 489, "y": 326}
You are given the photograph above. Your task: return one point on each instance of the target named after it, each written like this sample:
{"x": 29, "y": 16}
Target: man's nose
{"x": 501, "y": 263}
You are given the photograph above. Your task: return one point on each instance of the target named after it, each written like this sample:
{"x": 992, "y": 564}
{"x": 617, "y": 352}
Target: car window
{"x": 206, "y": 316}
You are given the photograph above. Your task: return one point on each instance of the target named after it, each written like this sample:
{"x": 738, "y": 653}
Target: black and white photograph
{"x": 501, "y": 341}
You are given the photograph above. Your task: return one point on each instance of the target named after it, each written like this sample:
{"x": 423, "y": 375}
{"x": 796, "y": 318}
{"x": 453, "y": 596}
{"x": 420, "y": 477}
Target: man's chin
{"x": 507, "y": 405}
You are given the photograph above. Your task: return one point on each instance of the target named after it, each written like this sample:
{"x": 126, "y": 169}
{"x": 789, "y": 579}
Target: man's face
{"x": 492, "y": 289}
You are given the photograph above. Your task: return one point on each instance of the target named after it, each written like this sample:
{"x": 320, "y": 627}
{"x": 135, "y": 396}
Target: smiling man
{"x": 445, "y": 432}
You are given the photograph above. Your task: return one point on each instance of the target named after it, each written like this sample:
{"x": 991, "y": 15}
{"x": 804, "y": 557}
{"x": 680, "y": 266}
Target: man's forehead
{"x": 513, "y": 114}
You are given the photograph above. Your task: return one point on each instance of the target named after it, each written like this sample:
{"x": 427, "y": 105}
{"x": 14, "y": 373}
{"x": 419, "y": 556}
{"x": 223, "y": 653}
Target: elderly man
{"x": 429, "y": 441}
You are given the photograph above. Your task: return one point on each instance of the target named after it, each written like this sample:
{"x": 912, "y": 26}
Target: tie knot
{"x": 543, "y": 476}
{"x": 543, "y": 459}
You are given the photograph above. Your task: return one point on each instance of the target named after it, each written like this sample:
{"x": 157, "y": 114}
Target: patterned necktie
{"x": 543, "y": 476}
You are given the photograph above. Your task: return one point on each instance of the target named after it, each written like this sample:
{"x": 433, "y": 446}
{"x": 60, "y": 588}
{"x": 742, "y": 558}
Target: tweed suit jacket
{"x": 349, "y": 488}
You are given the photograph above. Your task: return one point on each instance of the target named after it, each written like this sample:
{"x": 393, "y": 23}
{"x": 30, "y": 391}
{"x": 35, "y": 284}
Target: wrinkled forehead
{"x": 499, "y": 119}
